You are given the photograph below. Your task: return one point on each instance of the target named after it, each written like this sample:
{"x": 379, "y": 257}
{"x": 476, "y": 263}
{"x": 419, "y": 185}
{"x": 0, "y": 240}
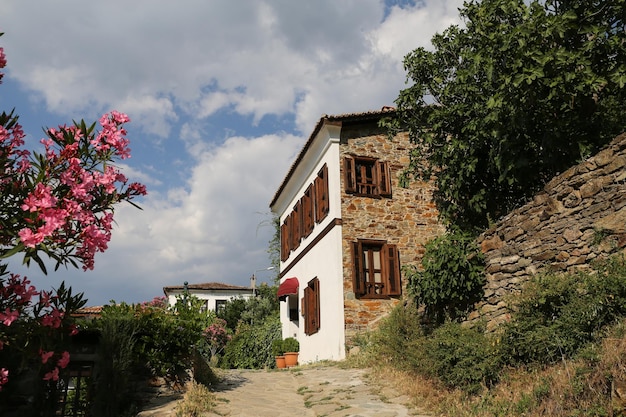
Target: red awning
{"x": 288, "y": 287}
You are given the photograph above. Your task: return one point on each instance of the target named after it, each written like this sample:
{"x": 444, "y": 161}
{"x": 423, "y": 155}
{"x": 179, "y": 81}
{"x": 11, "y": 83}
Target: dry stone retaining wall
{"x": 579, "y": 216}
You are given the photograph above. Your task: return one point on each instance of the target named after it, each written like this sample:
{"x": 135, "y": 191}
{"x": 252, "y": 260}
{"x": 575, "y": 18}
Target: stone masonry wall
{"x": 408, "y": 219}
{"x": 579, "y": 216}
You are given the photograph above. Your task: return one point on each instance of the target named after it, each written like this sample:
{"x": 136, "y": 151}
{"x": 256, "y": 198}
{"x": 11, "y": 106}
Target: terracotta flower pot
{"x": 291, "y": 358}
{"x": 280, "y": 362}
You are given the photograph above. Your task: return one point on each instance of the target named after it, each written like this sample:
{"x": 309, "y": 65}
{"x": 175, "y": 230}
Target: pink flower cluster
{"x": 216, "y": 336}
{"x": 21, "y": 301}
{"x": 3, "y": 62}
{"x": 71, "y": 204}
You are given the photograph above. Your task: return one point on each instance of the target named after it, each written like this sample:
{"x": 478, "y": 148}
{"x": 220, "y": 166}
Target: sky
{"x": 222, "y": 95}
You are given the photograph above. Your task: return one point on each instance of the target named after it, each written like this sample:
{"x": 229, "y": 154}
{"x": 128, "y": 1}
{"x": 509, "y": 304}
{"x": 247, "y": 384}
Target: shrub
{"x": 251, "y": 346}
{"x": 395, "y": 340}
{"x": 558, "y": 314}
{"x": 291, "y": 344}
{"x": 452, "y": 278}
{"x": 117, "y": 342}
{"x": 461, "y": 357}
{"x": 277, "y": 347}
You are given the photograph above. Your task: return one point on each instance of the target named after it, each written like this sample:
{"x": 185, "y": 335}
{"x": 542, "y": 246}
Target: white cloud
{"x": 177, "y": 69}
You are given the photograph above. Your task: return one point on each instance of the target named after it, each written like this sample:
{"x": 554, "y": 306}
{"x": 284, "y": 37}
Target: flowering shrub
{"x": 60, "y": 203}
{"x": 216, "y": 336}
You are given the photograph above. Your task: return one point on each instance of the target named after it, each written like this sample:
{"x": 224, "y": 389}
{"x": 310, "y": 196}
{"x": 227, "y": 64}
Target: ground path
{"x": 314, "y": 391}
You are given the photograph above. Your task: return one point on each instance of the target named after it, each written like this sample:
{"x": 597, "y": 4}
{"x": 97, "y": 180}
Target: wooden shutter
{"x": 296, "y": 225}
{"x": 284, "y": 241}
{"x": 358, "y": 281}
{"x": 391, "y": 270}
{"x": 349, "y": 174}
{"x": 321, "y": 194}
{"x": 308, "y": 217}
{"x": 384, "y": 178}
{"x": 312, "y": 307}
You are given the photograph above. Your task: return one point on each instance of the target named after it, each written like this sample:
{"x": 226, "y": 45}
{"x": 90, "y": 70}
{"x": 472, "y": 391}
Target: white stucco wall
{"x": 322, "y": 261}
{"x": 210, "y": 296}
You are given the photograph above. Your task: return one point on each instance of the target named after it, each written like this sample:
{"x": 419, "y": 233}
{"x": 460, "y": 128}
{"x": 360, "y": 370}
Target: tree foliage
{"x": 451, "y": 279}
{"x": 519, "y": 94}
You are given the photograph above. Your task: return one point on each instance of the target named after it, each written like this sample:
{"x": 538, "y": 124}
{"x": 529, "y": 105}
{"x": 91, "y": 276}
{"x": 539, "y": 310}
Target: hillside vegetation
{"x": 563, "y": 352}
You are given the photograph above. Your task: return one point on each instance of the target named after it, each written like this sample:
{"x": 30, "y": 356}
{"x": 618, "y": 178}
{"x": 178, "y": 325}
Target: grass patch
{"x": 197, "y": 400}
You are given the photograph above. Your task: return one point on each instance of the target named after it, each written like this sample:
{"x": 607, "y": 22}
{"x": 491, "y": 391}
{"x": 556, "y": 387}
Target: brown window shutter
{"x": 384, "y": 178}
{"x": 321, "y": 194}
{"x": 308, "y": 218}
{"x": 284, "y": 241}
{"x": 316, "y": 312}
{"x": 391, "y": 265}
{"x": 358, "y": 284}
{"x": 311, "y": 307}
{"x": 296, "y": 224}
{"x": 349, "y": 174}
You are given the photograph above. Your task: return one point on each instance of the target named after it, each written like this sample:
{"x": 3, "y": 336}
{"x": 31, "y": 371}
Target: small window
{"x": 220, "y": 305}
{"x": 367, "y": 176}
{"x": 376, "y": 269}
{"x": 311, "y": 307}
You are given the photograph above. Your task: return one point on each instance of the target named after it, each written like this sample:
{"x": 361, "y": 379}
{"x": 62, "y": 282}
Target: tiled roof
{"x": 207, "y": 286}
{"x": 346, "y": 117}
{"x": 88, "y": 311}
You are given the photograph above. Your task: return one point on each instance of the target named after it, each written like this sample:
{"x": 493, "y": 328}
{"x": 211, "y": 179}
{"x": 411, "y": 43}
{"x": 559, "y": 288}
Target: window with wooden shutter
{"x": 376, "y": 269}
{"x": 308, "y": 213}
{"x": 312, "y": 307}
{"x": 296, "y": 225}
{"x": 366, "y": 176}
{"x": 321, "y": 195}
{"x": 284, "y": 241}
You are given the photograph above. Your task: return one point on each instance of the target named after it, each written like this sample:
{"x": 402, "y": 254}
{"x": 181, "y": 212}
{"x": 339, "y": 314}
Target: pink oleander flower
{"x": 9, "y": 316}
{"x": 41, "y": 197}
{"x": 52, "y": 375}
{"x": 45, "y": 356}
{"x": 4, "y": 377}
{"x": 52, "y": 319}
{"x": 30, "y": 239}
{"x": 64, "y": 360}
{"x": 73, "y": 330}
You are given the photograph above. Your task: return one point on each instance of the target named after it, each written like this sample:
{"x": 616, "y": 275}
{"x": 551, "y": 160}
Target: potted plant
{"x": 291, "y": 347}
{"x": 279, "y": 353}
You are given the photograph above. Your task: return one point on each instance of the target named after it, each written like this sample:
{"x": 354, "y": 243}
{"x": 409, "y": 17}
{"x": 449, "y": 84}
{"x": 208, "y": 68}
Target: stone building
{"x": 347, "y": 228}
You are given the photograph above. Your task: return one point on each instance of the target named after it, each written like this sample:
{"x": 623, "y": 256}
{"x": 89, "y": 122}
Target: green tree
{"x": 518, "y": 95}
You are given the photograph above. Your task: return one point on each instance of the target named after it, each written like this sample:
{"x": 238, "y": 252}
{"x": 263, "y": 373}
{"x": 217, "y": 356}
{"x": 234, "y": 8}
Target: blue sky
{"x": 222, "y": 96}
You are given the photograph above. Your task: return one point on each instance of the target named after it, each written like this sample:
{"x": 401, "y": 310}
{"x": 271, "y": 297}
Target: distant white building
{"x": 214, "y": 294}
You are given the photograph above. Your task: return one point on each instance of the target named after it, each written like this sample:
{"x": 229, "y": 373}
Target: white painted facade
{"x": 213, "y": 294}
{"x": 322, "y": 260}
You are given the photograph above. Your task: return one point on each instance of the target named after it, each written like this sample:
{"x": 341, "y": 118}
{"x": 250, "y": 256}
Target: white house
{"x": 214, "y": 294}
{"x": 347, "y": 226}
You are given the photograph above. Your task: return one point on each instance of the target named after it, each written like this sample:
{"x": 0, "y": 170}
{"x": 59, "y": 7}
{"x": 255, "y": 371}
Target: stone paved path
{"x": 317, "y": 391}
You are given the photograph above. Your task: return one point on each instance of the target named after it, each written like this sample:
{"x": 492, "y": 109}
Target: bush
{"x": 291, "y": 344}
{"x": 452, "y": 278}
{"x": 558, "y": 314}
{"x": 251, "y": 346}
{"x": 461, "y": 357}
{"x": 395, "y": 340}
{"x": 117, "y": 342}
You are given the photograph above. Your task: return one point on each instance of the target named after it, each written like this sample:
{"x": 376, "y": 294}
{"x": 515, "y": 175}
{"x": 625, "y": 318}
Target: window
{"x": 312, "y": 208}
{"x": 308, "y": 211}
{"x": 220, "y": 305}
{"x": 367, "y": 176}
{"x": 321, "y": 195}
{"x": 376, "y": 269}
{"x": 311, "y": 307}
